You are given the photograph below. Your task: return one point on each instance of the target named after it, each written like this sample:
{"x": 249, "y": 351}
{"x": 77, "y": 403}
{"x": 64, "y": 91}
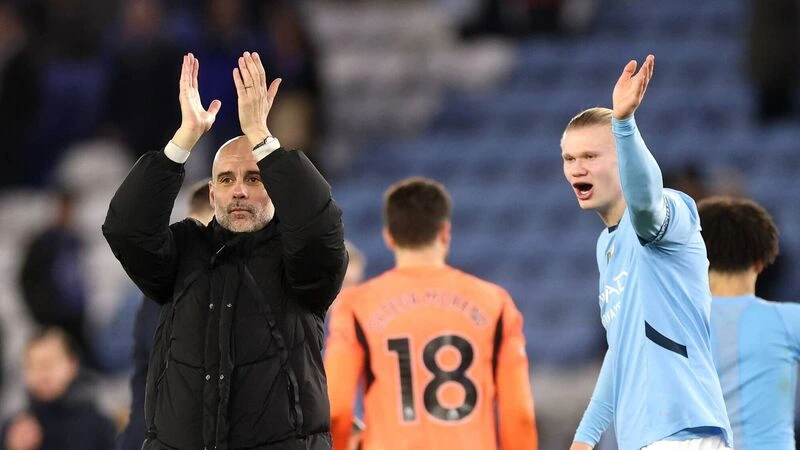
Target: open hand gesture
{"x": 630, "y": 88}
{"x": 195, "y": 120}
{"x": 255, "y": 100}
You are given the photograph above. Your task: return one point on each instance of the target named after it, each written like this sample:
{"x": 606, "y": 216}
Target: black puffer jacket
{"x": 236, "y": 361}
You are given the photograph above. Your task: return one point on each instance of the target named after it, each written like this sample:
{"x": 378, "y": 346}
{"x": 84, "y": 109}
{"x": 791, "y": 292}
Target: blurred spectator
{"x": 355, "y": 268}
{"x": 774, "y": 55}
{"x": 19, "y": 92}
{"x": 52, "y": 279}
{"x": 140, "y": 80}
{"x": 227, "y": 33}
{"x": 144, "y": 331}
{"x": 70, "y": 29}
{"x": 59, "y": 415}
{"x": 515, "y": 18}
{"x": 291, "y": 56}
{"x": 688, "y": 179}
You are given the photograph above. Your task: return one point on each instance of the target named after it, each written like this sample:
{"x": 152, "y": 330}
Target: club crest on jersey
{"x": 609, "y": 254}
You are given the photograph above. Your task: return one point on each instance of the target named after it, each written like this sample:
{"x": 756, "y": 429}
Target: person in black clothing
{"x": 236, "y": 360}
{"x": 144, "y": 330}
{"x": 60, "y": 415}
{"x": 51, "y": 277}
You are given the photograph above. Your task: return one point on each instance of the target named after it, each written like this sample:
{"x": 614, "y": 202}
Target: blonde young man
{"x": 657, "y": 384}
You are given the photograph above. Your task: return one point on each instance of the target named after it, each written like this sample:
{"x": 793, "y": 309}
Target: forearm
{"x": 295, "y": 186}
{"x": 600, "y": 412}
{"x": 137, "y": 224}
{"x": 143, "y": 203}
{"x": 641, "y": 180}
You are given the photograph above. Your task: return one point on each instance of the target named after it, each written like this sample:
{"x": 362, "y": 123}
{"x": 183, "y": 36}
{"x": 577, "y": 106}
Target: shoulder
{"x": 483, "y": 289}
{"x": 679, "y": 201}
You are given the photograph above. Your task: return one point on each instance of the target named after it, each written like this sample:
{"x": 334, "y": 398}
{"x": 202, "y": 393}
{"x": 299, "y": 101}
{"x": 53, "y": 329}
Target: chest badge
{"x": 609, "y": 254}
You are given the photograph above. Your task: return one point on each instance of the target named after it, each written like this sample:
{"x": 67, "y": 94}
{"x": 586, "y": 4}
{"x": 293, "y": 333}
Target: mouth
{"x": 240, "y": 210}
{"x": 583, "y": 190}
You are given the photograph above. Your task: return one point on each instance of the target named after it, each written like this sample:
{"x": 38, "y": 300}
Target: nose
{"x": 240, "y": 190}
{"x": 578, "y": 169}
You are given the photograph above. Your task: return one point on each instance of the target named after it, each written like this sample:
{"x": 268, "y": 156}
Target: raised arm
{"x": 310, "y": 221}
{"x": 640, "y": 176}
{"x": 137, "y": 223}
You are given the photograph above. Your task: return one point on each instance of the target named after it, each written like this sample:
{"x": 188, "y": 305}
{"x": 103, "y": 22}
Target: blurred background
{"x": 474, "y": 93}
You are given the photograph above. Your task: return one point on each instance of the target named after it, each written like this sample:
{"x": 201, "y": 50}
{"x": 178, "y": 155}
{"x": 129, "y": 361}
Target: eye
{"x": 226, "y": 180}
{"x": 568, "y": 158}
{"x": 254, "y": 179}
{"x": 591, "y": 156}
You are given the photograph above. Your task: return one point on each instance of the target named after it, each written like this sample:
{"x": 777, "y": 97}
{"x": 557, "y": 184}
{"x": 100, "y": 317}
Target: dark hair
{"x": 414, "y": 210}
{"x": 738, "y": 233}
{"x": 198, "y": 197}
{"x": 43, "y": 334}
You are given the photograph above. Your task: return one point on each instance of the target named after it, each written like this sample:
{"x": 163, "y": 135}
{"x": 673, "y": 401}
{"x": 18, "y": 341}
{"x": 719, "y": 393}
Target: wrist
{"x": 186, "y": 139}
{"x": 256, "y": 137}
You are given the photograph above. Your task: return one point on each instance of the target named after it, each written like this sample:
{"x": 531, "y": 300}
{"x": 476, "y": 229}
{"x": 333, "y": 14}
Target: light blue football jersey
{"x": 756, "y": 346}
{"x": 655, "y": 304}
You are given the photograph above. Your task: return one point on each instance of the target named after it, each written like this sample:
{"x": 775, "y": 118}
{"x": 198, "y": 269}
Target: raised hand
{"x": 255, "y": 100}
{"x": 195, "y": 120}
{"x": 630, "y": 88}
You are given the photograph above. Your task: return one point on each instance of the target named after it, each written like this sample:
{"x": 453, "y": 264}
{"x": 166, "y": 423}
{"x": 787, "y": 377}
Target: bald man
{"x": 236, "y": 360}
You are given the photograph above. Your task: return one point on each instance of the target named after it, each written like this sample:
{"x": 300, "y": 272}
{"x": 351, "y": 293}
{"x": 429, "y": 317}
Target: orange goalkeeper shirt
{"x": 442, "y": 355}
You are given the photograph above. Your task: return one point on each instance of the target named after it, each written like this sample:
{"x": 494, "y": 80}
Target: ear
{"x": 758, "y": 267}
{"x": 211, "y": 194}
{"x": 388, "y": 239}
{"x": 445, "y": 233}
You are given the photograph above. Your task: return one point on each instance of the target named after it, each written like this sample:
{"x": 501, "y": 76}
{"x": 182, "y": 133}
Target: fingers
{"x": 252, "y": 70}
{"x": 273, "y": 89}
{"x": 195, "y": 70}
{"x": 245, "y": 72}
{"x": 630, "y": 68}
{"x": 237, "y": 80}
{"x": 184, "y": 81}
{"x": 628, "y": 71}
{"x": 214, "y": 107}
{"x": 260, "y": 68}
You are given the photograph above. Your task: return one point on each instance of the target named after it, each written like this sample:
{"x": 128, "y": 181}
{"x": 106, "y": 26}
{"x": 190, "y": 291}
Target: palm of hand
{"x": 629, "y": 90}
{"x": 193, "y": 113}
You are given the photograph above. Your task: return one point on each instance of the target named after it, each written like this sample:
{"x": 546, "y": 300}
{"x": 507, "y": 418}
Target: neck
{"x": 431, "y": 256}
{"x": 736, "y": 284}
{"x": 612, "y": 215}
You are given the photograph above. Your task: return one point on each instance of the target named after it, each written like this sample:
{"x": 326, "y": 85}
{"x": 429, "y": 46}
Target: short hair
{"x": 590, "y": 117}
{"x": 198, "y": 198}
{"x": 58, "y": 334}
{"x": 414, "y": 210}
{"x": 738, "y": 233}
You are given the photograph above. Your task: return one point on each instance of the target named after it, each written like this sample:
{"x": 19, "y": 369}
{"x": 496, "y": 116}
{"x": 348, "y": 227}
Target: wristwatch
{"x": 267, "y": 140}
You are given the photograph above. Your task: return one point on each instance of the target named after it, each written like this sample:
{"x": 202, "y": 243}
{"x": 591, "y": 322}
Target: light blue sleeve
{"x": 662, "y": 217}
{"x": 640, "y": 176}
{"x": 600, "y": 412}
{"x": 789, "y": 314}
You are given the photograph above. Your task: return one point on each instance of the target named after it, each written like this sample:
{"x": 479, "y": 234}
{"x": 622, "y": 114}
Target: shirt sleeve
{"x": 641, "y": 180}
{"x": 600, "y": 412}
{"x": 514, "y": 396}
{"x": 344, "y": 364}
{"x": 789, "y": 314}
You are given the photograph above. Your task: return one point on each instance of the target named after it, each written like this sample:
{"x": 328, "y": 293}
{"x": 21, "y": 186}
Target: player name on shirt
{"x": 388, "y": 310}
